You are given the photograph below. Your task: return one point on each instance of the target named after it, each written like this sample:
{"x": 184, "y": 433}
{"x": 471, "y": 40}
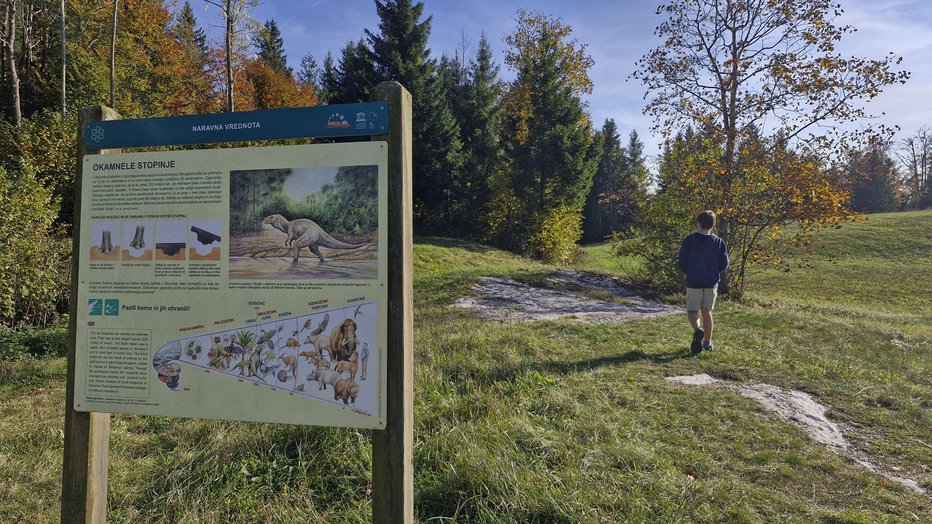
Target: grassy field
{"x": 564, "y": 421}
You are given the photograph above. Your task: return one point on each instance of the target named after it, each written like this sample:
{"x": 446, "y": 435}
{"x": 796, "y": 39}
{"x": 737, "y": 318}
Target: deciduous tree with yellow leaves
{"x": 733, "y": 68}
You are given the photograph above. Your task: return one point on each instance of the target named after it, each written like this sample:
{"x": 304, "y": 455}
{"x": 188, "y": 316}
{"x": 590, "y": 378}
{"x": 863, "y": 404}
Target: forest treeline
{"x": 517, "y": 163}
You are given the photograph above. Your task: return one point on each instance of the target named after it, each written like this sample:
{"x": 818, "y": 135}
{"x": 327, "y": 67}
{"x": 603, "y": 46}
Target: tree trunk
{"x": 26, "y": 31}
{"x": 8, "y": 44}
{"x": 6, "y": 28}
{"x": 229, "y": 53}
{"x": 724, "y": 286}
{"x": 116, "y": 4}
{"x": 64, "y": 64}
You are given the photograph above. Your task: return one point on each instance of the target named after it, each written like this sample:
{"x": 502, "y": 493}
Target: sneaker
{"x": 707, "y": 346}
{"x": 696, "y": 345}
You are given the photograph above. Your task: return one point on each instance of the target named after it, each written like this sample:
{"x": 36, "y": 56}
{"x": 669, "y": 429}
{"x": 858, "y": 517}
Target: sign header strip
{"x": 272, "y": 124}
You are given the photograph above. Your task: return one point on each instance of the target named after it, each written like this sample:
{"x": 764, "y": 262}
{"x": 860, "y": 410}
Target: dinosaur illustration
{"x": 303, "y": 232}
{"x": 241, "y": 366}
{"x": 253, "y": 365}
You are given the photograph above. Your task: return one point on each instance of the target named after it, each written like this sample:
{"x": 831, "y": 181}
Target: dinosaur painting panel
{"x": 304, "y": 223}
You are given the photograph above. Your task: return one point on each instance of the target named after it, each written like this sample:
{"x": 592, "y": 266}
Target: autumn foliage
{"x": 761, "y": 80}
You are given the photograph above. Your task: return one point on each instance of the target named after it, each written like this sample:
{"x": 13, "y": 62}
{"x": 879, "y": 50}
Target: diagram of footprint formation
{"x": 327, "y": 356}
{"x": 167, "y": 240}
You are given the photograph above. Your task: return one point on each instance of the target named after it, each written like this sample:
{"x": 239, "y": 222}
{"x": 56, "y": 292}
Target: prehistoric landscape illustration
{"x": 328, "y": 356}
{"x": 304, "y": 223}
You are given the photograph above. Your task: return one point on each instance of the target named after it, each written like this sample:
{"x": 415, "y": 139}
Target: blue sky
{"x": 617, "y": 34}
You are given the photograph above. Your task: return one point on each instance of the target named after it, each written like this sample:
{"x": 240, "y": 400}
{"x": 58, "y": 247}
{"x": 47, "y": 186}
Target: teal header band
{"x": 272, "y": 124}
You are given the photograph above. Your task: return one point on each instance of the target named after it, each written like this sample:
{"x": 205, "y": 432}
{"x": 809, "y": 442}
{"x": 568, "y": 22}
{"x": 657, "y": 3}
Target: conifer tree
{"x": 481, "y": 128}
{"x": 598, "y": 220}
{"x": 355, "y": 75}
{"x": 632, "y": 190}
{"x": 272, "y": 47}
{"x": 194, "y": 93}
{"x": 400, "y": 49}
{"x": 186, "y": 32}
{"x": 400, "y": 53}
{"x": 328, "y": 80}
{"x": 872, "y": 177}
{"x": 309, "y": 71}
{"x": 552, "y": 151}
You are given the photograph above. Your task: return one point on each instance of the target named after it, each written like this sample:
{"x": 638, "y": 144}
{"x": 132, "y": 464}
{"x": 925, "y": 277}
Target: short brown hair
{"x": 706, "y": 219}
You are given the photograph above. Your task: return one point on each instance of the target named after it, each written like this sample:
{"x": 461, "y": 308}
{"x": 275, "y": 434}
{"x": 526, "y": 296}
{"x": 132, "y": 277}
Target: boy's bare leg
{"x": 706, "y": 323}
{"x": 693, "y": 319}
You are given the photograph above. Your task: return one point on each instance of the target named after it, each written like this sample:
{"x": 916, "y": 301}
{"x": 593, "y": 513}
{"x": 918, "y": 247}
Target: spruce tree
{"x": 400, "y": 49}
{"x": 329, "y": 80}
{"x": 632, "y": 190}
{"x": 309, "y": 71}
{"x": 400, "y": 53}
{"x": 872, "y": 177}
{"x": 481, "y": 128}
{"x": 191, "y": 37}
{"x": 355, "y": 76}
{"x": 272, "y": 47}
{"x": 552, "y": 150}
{"x": 193, "y": 92}
{"x": 598, "y": 219}
{"x": 454, "y": 77}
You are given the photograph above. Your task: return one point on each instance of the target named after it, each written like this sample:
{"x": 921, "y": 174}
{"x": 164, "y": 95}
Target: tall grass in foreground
{"x": 563, "y": 421}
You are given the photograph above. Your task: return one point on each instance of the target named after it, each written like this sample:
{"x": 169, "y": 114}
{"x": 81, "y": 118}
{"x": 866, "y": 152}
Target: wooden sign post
{"x": 393, "y": 447}
{"x": 87, "y": 434}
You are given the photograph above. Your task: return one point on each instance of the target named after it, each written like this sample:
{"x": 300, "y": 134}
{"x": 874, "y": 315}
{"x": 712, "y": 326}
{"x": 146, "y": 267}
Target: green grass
{"x": 562, "y": 421}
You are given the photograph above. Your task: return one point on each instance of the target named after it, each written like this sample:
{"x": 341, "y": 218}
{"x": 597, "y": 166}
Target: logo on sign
{"x": 361, "y": 120}
{"x": 97, "y": 134}
{"x": 337, "y": 120}
{"x": 95, "y": 307}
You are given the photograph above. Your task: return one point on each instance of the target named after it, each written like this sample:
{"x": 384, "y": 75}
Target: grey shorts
{"x": 700, "y": 298}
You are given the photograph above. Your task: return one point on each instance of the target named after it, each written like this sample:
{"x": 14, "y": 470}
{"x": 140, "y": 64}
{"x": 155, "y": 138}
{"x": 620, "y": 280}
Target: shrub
{"x": 47, "y": 143}
{"x": 663, "y": 222}
{"x": 11, "y": 344}
{"x": 556, "y": 236}
{"x": 51, "y": 340}
{"x": 34, "y": 259}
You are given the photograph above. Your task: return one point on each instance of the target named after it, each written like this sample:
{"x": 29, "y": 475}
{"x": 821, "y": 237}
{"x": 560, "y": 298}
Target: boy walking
{"x": 703, "y": 256}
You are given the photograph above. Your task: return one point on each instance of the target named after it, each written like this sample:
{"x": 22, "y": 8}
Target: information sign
{"x": 340, "y": 120}
{"x": 243, "y": 284}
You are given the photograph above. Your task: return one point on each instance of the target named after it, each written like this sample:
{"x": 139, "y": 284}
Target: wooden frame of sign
{"x": 87, "y": 434}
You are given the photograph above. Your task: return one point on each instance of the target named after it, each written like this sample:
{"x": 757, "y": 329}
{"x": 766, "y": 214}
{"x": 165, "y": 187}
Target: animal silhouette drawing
{"x": 303, "y": 232}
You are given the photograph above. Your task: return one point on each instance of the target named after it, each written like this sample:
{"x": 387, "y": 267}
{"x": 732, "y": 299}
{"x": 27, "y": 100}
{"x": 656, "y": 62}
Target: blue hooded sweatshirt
{"x": 702, "y": 258}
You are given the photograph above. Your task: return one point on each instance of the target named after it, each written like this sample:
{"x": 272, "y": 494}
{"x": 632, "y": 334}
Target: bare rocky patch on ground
{"x": 565, "y": 294}
{"x": 804, "y": 411}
